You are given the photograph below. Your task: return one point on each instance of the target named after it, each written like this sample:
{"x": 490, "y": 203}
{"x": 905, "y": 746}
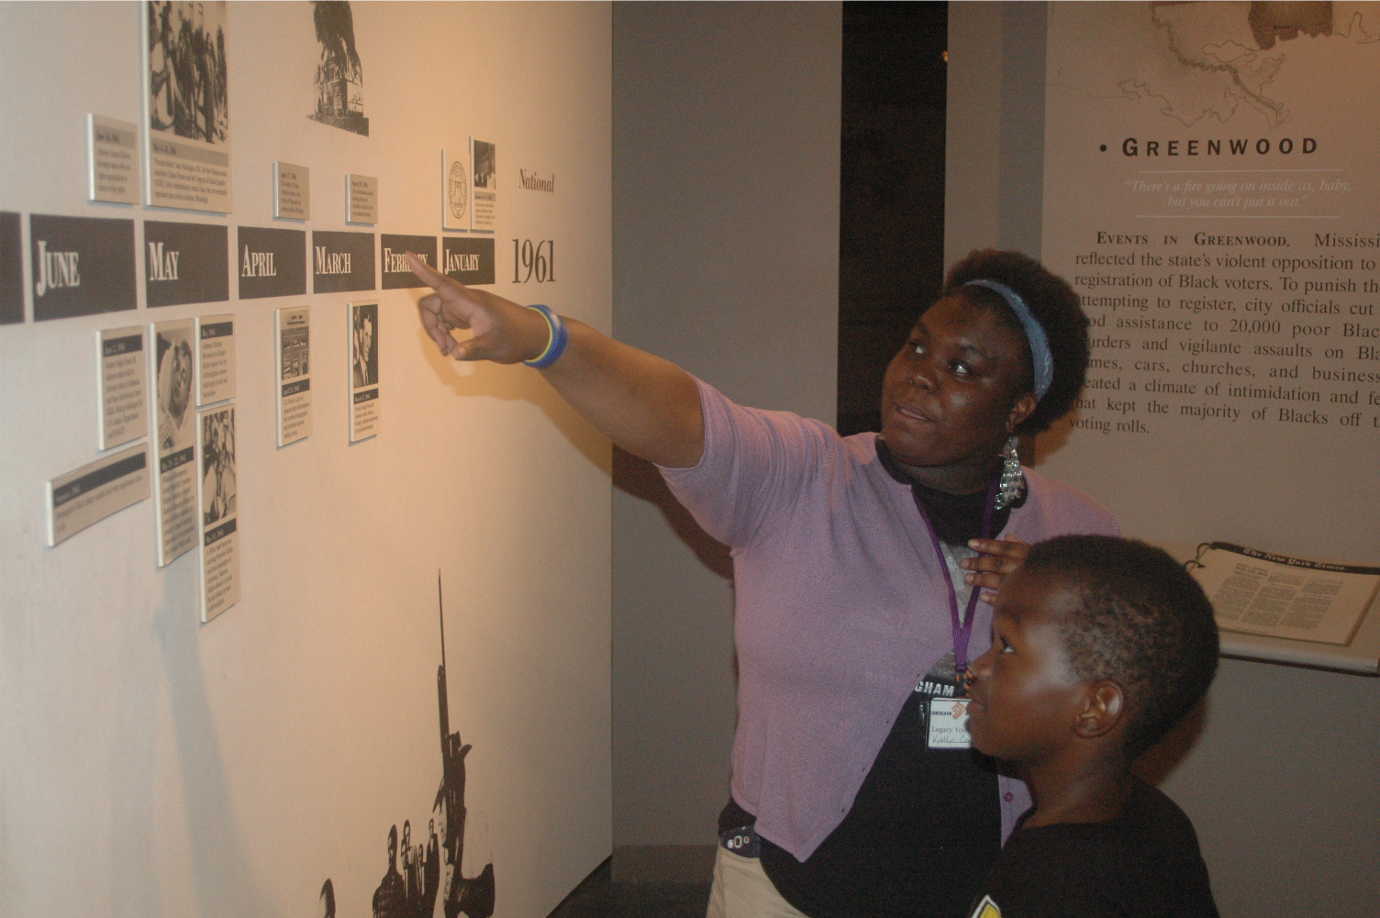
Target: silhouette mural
{"x": 418, "y": 876}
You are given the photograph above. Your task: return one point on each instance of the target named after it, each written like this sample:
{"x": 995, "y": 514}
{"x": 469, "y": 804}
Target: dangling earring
{"x": 1011, "y": 487}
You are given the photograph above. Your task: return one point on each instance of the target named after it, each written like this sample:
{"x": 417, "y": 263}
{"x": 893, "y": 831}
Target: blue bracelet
{"x": 557, "y": 339}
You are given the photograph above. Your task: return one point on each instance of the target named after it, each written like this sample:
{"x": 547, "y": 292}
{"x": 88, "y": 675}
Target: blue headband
{"x": 1041, "y": 360}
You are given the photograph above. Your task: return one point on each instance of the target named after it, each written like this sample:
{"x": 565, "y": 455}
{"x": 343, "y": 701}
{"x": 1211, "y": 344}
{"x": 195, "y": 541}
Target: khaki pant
{"x": 742, "y": 889}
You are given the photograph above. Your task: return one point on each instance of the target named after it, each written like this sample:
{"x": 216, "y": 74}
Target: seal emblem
{"x": 457, "y": 191}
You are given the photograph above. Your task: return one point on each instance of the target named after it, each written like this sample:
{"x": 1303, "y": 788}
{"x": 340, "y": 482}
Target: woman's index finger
{"x": 424, "y": 271}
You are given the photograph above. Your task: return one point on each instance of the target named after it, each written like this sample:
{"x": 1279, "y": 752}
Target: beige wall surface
{"x": 155, "y": 766}
{"x": 726, "y": 180}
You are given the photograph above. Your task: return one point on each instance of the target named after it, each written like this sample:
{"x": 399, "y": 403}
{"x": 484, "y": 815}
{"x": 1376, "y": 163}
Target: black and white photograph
{"x": 218, "y": 511}
{"x": 292, "y": 343}
{"x": 217, "y": 465}
{"x": 339, "y": 76}
{"x": 175, "y": 371}
{"x": 485, "y": 165}
{"x": 484, "y": 198}
{"x": 294, "y": 348}
{"x": 187, "y": 71}
{"x": 187, "y": 105}
{"x": 364, "y": 346}
{"x": 364, "y": 370}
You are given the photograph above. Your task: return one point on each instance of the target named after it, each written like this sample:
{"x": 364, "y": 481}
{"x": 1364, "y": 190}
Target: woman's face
{"x": 954, "y": 393}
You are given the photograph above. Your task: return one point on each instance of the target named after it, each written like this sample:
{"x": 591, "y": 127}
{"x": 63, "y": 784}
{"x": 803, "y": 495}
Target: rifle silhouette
{"x": 473, "y": 897}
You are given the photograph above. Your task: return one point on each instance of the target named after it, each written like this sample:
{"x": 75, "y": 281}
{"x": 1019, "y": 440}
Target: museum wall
{"x": 154, "y": 764}
{"x": 1278, "y": 772}
{"x": 726, "y": 209}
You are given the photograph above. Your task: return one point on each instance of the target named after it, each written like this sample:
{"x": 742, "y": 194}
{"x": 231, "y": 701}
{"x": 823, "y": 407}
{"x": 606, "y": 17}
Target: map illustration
{"x": 1213, "y": 62}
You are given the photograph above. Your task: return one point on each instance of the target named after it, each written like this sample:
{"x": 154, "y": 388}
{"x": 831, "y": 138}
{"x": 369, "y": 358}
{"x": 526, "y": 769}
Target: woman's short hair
{"x": 1054, "y": 305}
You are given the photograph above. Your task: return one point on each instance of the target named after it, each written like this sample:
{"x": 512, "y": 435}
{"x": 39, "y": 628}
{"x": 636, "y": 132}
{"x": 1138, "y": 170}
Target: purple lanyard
{"x": 962, "y": 630}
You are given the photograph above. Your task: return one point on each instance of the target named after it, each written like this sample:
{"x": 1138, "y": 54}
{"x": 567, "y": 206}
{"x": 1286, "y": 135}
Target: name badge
{"x": 948, "y": 723}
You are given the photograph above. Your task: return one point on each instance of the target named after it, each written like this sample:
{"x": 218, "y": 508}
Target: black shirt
{"x": 1143, "y": 864}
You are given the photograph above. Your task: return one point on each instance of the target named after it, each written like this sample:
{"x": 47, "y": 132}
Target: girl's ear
{"x": 1103, "y": 708}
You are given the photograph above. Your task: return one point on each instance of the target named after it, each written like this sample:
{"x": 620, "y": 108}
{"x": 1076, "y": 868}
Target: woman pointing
{"x": 857, "y": 567}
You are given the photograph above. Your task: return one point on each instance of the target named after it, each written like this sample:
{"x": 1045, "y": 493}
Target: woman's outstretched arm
{"x": 643, "y": 403}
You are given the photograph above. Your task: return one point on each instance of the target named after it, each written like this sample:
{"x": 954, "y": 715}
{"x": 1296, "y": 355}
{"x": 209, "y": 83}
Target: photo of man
{"x": 364, "y": 351}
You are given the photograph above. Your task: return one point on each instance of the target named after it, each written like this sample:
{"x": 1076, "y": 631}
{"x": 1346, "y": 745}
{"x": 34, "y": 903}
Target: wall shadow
{"x": 480, "y": 379}
{"x": 223, "y": 881}
{"x": 640, "y": 478}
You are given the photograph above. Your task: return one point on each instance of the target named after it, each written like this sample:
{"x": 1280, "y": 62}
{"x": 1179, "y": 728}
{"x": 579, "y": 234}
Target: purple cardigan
{"x": 840, "y": 605}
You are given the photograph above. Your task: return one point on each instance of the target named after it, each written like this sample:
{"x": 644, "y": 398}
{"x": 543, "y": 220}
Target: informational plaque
{"x": 292, "y": 342}
{"x": 218, "y": 511}
{"x": 395, "y": 271}
{"x": 361, "y": 199}
{"x": 291, "y": 191}
{"x": 112, "y": 160}
{"x": 80, "y": 266}
{"x": 123, "y": 386}
{"x": 185, "y": 263}
{"x": 95, "y": 491}
{"x": 455, "y": 187}
{"x": 1210, "y": 192}
{"x": 468, "y": 260}
{"x": 364, "y": 370}
{"x": 270, "y": 262}
{"x": 215, "y": 360}
{"x": 174, "y": 491}
{"x": 342, "y": 261}
{"x": 187, "y": 106}
{"x": 484, "y": 198}
{"x": 11, "y": 270}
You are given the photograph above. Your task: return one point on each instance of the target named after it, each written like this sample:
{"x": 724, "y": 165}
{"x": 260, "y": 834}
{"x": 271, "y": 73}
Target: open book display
{"x": 1261, "y": 593}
